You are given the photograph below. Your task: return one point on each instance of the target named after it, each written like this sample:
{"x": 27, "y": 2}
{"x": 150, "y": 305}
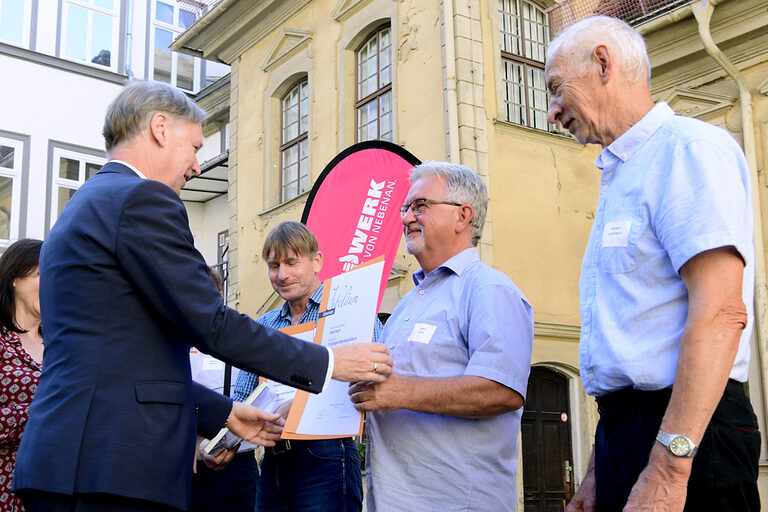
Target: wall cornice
{"x": 234, "y": 26}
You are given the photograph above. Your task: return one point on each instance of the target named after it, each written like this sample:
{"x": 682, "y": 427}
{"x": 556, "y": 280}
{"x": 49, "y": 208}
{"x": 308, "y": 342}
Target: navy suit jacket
{"x": 123, "y": 294}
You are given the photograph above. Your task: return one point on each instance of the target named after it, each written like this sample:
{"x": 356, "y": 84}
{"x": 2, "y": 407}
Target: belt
{"x": 629, "y": 398}
{"x": 281, "y": 446}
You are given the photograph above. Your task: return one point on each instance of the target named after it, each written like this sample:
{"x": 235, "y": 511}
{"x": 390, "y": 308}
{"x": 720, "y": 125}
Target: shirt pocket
{"x": 618, "y": 241}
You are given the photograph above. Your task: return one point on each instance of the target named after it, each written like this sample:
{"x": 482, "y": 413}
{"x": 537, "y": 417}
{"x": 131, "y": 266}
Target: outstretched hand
{"x": 361, "y": 362}
{"x": 255, "y": 425}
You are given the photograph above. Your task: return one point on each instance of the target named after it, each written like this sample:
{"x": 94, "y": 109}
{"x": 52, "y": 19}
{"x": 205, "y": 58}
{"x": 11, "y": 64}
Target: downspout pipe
{"x": 703, "y": 10}
{"x": 451, "y": 94}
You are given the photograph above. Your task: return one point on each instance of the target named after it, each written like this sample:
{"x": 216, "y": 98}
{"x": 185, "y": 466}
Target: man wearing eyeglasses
{"x": 443, "y": 431}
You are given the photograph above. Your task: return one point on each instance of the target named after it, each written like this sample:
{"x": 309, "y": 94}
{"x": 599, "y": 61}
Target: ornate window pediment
{"x": 699, "y": 104}
{"x": 344, "y": 7}
{"x": 289, "y": 41}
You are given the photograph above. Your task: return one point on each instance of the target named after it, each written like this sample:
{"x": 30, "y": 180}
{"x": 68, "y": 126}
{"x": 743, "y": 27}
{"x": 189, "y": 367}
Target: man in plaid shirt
{"x": 296, "y": 475}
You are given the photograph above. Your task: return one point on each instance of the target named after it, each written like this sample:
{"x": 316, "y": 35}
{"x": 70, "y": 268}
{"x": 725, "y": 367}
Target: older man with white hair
{"x": 444, "y": 432}
{"x": 666, "y": 286}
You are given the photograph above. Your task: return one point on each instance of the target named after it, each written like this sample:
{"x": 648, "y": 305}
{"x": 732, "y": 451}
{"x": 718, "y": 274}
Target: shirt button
{"x": 391, "y": 347}
{"x": 421, "y": 292}
{"x": 406, "y": 318}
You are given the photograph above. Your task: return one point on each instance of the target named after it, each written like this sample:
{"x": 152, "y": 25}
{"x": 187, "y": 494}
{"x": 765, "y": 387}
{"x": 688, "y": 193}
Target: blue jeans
{"x": 312, "y": 476}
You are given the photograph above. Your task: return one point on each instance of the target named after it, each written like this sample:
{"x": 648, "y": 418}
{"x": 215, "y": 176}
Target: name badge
{"x": 422, "y": 333}
{"x": 210, "y": 363}
{"x": 616, "y": 233}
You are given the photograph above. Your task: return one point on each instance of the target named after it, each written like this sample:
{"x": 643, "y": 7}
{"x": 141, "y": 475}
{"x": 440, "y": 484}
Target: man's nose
{"x": 408, "y": 217}
{"x": 554, "y": 112}
{"x": 196, "y": 167}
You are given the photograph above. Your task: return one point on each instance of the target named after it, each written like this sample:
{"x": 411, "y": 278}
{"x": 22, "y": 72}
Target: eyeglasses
{"x": 420, "y": 205}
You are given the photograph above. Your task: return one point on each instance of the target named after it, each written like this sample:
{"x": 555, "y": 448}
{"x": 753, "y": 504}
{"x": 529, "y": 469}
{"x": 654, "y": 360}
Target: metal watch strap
{"x": 666, "y": 439}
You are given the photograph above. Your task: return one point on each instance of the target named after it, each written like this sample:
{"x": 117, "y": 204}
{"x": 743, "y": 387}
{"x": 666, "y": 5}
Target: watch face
{"x": 680, "y": 446}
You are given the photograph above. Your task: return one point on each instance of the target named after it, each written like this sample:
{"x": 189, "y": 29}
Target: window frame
{"x": 378, "y": 93}
{"x": 16, "y": 174}
{"x": 175, "y": 30}
{"x": 296, "y": 141}
{"x": 26, "y": 30}
{"x": 525, "y": 63}
{"x": 56, "y": 182}
{"x": 91, "y": 8}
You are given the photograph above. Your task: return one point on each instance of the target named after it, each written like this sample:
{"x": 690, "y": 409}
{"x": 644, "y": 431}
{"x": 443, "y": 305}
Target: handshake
{"x": 353, "y": 362}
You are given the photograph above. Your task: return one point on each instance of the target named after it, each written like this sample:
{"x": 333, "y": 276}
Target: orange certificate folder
{"x": 347, "y": 315}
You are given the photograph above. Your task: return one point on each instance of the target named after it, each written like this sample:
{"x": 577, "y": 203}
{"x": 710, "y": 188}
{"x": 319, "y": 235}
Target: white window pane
{"x": 77, "y": 32}
{"x": 107, "y": 4}
{"x": 12, "y": 20}
{"x": 65, "y": 194}
{"x": 513, "y": 92}
{"x": 101, "y": 44}
{"x": 164, "y": 13}
{"x": 91, "y": 169}
{"x": 185, "y": 71}
{"x": 69, "y": 169}
{"x": 303, "y": 166}
{"x": 6, "y": 157}
{"x": 6, "y": 203}
{"x": 186, "y": 19}
{"x": 304, "y": 108}
{"x": 162, "y": 67}
{"x": 214, "y": 71}
{"x": 538, "y": 98}
{"x": 509, "y": 26}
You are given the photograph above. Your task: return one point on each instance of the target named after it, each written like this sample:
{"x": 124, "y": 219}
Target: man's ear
{"x": 466, "y": 214}
{"x": 317, "y": 261}
{"x": 602, "y": 57}
{"x": 159, "y": 125}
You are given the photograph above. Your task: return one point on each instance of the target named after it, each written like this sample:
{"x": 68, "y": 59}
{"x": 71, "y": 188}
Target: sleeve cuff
{"x": 330, "y": 368}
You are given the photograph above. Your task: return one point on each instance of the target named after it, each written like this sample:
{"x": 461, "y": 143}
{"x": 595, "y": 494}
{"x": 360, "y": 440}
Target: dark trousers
{"x": 42, "y": 501}
{"x": 311, "y": 476}
{"x": 232, "y": 489}
{"x": 724, "y": 474}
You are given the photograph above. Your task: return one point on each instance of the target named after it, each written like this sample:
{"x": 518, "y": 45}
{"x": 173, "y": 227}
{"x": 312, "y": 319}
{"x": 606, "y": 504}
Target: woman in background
{"x": 21, "y": 354}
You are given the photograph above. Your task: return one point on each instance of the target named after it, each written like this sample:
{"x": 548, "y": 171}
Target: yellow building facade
{"x": 458, "y": 80}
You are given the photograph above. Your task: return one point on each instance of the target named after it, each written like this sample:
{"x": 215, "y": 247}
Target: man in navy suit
{"x": 123, "y": 294}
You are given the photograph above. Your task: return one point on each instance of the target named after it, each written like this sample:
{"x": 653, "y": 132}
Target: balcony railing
{"x": 634, "y": 12}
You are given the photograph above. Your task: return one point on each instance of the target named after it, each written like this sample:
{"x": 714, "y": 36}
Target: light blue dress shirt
{"x": 672, "y": 187}
{"x": 463, "y": 318}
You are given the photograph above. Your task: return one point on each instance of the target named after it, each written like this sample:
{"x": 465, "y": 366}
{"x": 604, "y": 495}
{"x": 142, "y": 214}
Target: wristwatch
{"x": 677, "y": 444}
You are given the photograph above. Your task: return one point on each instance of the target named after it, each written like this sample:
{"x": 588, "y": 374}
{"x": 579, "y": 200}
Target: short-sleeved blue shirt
{"x": 672, "y": 187}
{"x": 463, "y": 318}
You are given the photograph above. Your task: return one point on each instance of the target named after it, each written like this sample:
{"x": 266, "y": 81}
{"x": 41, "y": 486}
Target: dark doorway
{"x": 546, "y": 431}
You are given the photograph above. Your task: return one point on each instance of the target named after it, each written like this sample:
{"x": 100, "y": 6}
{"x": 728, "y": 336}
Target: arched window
{"x": 294, "y": 143}
{"x": 374, "y": 87}
{"x": 524, "y": 35}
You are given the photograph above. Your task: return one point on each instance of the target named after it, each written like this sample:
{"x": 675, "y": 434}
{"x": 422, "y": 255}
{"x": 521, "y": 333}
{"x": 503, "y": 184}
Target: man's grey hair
{"x": 129, "y": 114}
{"x": 463, "y": 186}
{"x": 626, "y": 43}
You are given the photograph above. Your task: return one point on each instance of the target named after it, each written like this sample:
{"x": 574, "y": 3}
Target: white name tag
{"x": 616, "y": 233}
{"x": 210, "y": 363}
{"x": 422, "y": 333}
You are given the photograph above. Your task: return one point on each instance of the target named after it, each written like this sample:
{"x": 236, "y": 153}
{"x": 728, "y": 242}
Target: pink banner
{"x": 354, "y": 207}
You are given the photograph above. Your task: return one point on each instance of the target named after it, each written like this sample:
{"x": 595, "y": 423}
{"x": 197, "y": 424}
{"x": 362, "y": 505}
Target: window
{"x": 90, "y": 30}
{"x": 70, "y": 170}
{"x": 294, "y": 147}
{"x": 15, "y": 21}
{"x": 169, "y": 19}
{"x": 11, "y": 156}
{"x": 374, "y": 87}
{"x": 524, "y": 34}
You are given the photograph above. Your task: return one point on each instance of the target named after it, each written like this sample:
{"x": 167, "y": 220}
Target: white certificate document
{"x": 347, "y": 315}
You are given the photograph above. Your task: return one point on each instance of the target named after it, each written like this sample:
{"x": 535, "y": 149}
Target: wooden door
{"x": 546, "y": 432}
